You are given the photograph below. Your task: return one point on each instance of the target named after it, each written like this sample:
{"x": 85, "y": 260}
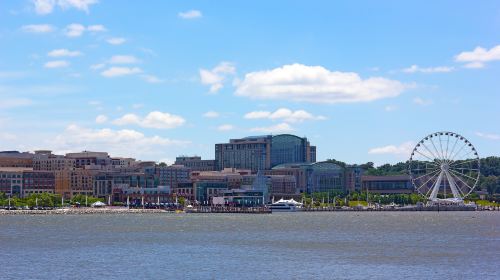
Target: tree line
{"x": 489, "y": 180}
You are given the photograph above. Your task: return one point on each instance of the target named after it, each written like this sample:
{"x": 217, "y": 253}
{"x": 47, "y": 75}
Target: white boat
{"x": 283, "y": 205}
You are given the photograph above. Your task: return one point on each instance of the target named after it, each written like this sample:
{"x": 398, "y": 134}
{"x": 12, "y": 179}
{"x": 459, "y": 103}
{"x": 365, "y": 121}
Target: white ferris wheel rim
{"x": 444, "y": 161}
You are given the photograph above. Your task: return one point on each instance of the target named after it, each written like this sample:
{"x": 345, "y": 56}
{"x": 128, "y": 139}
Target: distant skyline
{"x": 364, "y": 80}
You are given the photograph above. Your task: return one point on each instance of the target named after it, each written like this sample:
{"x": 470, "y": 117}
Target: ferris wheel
{"x": 444, "y": 165}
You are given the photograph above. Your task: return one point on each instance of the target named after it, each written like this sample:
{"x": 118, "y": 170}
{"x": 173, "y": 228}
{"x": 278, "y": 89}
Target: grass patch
{"x": 354, "y": 203}
{"x": 486, "y": 203}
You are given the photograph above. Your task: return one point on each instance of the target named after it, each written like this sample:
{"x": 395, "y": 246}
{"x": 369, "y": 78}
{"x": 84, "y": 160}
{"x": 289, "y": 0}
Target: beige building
{"x": 45, "y": 160}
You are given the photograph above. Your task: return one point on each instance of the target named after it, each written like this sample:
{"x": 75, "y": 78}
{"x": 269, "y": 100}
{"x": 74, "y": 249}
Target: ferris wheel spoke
{"x": 434, "y": 145}
{"x": 432, "y": 154}
{"x": 458, "y": 152}
{"x": 428, "y": 180}
{"x": 465, "y": 156}
{"x": 441, "y": 146}
{"x": 461, "y": 181}
{"x": 464, "y": 175}
{"x": 454, "y": 183}
{"x": 427, "y": 174}
{"x": 454, "y": 146}
{"x": 424, "y": 155}
{"x": 462, "y": 169}
{"x": 423, "y": 169}
{"x": 447, "y": 144}
{"x": 462, "y": 162}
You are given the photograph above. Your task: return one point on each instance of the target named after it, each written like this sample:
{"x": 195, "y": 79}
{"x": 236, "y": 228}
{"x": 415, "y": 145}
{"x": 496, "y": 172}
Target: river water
{"x": 339, "y": 245}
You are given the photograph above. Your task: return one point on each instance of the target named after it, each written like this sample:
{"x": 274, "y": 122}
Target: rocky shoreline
{"x": 82, "y": 211}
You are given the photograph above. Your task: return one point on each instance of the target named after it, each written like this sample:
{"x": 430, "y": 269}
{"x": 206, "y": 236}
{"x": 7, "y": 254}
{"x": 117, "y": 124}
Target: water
{"x": 351, "y": 245}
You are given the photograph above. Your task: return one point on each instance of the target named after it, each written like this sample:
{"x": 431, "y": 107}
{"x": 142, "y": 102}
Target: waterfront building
{"x": 195, "y": 163}
{"x": 86, "y": 158}
{"x": 120, "y": 162}
{"x": 204, "y": 191}
{"x": 263, "y": 152}
{"x": 287, "y": 148}
{"x": 11, "y": 180}
{"x": 185, "y": 190}
{"x": 172, "y": 175}
{"x": 283, "y": 186}
{"x": 45, "y": 160}
{"x": 353, "y": 175}
{"x": 240, "y": 197}
{"x": 16, "y": 159}
{"x": 387, "y": 184}
{"x": 231, "y": 176}
{"x": 36, "y": 181}
{"x": 313, "y": 177}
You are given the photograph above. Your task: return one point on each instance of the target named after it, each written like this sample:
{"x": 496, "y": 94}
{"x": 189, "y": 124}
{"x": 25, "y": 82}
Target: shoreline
{"x": 124, "y": 210}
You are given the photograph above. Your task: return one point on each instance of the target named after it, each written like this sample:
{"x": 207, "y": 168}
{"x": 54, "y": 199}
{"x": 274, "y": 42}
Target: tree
{"x": 490, "y": 184}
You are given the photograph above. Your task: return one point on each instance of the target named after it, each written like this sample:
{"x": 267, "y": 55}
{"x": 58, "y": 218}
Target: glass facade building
{"x": 263, "y": 152}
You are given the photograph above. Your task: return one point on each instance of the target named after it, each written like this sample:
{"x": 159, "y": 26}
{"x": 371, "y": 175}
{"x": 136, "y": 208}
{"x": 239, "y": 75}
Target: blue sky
{"x": 363, "y": 80}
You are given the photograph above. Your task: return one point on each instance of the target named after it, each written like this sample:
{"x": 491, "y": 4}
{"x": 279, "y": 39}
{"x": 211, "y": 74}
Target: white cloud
{"x": 101, "y": 119}
{"x": 279, "y": 128}
{"x": 422, "y": 102}
{"x": 403, "y": 149}
{"x": 97, "y": 66}
{"x": 96, "y": 28}
{"x": 63, "y": 52}
{"x": 43, "y": 7}
{"x": 478, "y": 57}
{"x": 74, "y": 30}
{"x": 192, "y": 14}
{"x": 439, "y": 69}
{"x": 152, "y": 79}
{"x": 56, "y": 64}
{"x": 123, "y": 59}
{"x": 225, "y": 127}
{"x": 316, "y": 84}
{"x": 116, "y": 41}
{"x": 117, "y": 142}
{"x": 488, "y": 136}
{"x": 137, "y": 105}
{"x": 211, "y": 114}
{"x": 474, "y": 65}
{"x": 284, "y": 114}
{"x": 120, "y": 71}
{"x": 82, "y": 5}
{"x": 154, "y": 119}
{"x": 15, "y": 102}
{"x": 216, "y": 77}
{"x": 38, "y": 28}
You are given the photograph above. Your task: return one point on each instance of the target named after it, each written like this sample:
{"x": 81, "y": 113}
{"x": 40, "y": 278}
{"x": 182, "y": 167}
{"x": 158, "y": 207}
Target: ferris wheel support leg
{"x": 453, "y": 186}
{"x": 435, "y": 188}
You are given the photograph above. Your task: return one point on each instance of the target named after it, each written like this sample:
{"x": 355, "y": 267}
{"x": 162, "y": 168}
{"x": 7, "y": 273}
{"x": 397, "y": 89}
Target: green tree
{"x": 490, "y": 184}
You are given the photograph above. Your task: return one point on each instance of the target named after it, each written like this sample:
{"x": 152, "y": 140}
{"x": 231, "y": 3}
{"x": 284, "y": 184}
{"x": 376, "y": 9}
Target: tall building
{"x": 387, "y": 184}
{"x": 45, "y": 160}
{"x": 11, "y": 180}
{"x": 263, "y": 152}
{"x": 313, "y": 177}
{"x": 172, "y": 175}
{"x": 16, "y": 159}
{"x": 195, "y": 163}
{"x": 86, "y": 158}
{"x": 35, "y": 181}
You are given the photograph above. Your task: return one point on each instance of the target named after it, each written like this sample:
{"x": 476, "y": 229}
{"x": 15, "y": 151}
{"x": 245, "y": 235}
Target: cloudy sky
{"x": 363, "y": 80}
